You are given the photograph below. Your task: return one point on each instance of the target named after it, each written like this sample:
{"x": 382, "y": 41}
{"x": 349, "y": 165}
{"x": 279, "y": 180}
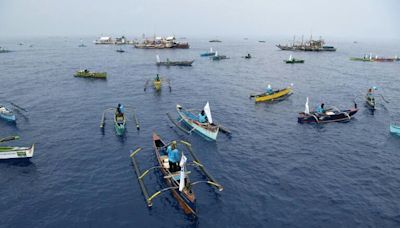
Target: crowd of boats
{"x": 157, "y": 42}
{"x": 172, "y": 156}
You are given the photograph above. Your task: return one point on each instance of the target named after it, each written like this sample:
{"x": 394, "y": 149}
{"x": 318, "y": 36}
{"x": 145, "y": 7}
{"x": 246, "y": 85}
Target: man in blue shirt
{"x": 173, "y": 157}
{"x": 320, "y": 109}
{"x": 202, "y": 117}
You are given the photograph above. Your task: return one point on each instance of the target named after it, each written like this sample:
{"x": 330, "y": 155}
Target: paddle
{"x": 9, "y": 138}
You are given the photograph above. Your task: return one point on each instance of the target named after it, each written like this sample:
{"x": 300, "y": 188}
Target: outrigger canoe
{"x": 274, "y": 96}
{"x": 119, "y": 119}
{"x": 395, "y": 129}
{"x": 330, "y": 115}
{"x": 7, "y": 114}
{"x": 178, "y": 183}
{"x": 207, "y": 130}
{"x": 89, "y": 74}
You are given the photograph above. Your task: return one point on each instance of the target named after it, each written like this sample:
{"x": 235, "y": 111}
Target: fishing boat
{"x": 119, "y": 117}
{"x": 82, "y": 45}
{"x": 276, "y": 95}
{"x": 89, "y": 74}
{"x": 261, "y": 41}
{"x": 293, "y": 60}
{"x": 310, "y": 45}
{"x": 363, "y": 59}
{"x": 2, "y": 50}
{"x": 395, "y": 129}
{"x": 370, "y": 102}
{"x": 218, "y": 57}
{"x": 9, "y": 152}
{"x": 6, "y": 114}
{"x": 120, "y": 50}
{"x": 177, "y": 182}
{"x": 248, "y": 56}
{"x": 330, "y": 115}
{"x": 215, "y": 41}
{"x": 208, "y": 129}
{"x": 209, "y": 53}
{"x": 157, "y": 83}
{"x": 173, "y": 63}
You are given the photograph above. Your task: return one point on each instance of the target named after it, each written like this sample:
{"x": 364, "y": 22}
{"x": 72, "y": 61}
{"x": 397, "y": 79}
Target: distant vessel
{"x": 215, "y": 41}
{"x": 104, "y": 40}
{"x": 369, "y": 58}
{"x": 209, "y": 53}
{"x": 118, "y": 41}
{"x": 261, "y": 41}
{"x": 161, "y": 43}
{"x": 310, "y": 45}
{"x": 2, "y": 50}
{"x": 173, "y": 63}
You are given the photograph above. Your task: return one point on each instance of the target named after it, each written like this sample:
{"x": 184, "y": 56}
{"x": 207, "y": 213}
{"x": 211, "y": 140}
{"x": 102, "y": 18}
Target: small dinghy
{"x": 206, "y": 54}
{"x": 89, "y": 74}
{"x": 275, "y": 95}
{"x": 218, "y": 57}
{"x": 326, "y": 116}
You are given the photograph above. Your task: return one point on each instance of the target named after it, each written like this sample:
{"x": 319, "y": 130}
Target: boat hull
{"x": 97, "y": 75}
{"x": 293, "y": 61}
{"x": 342, "y": 116}
{"x": 157, "y": 85}
{"x": 275, "y": 96}
{"x": 186, "y": 198}
{"x": 209, "y": 132}
{"x": 119, "y": 124}
{"x": 16, "y": 152}
{"x": 175, "y": 63}
{"x": 394, "y": 129}
{"x": 7, "y": 114}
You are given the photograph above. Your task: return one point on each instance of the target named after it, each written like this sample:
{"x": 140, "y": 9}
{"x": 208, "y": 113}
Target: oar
{"x": 17, "y": 106}
{"x": 9, "y": 138}
{"x": 136, "y": 120}
{"x": 387, "y": 102}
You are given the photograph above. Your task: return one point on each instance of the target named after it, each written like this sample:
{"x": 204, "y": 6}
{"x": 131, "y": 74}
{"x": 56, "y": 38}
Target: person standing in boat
{"x": 202, "y": 117}
{"x": 157, "y": 78}
{"x": 321, "y": 109}
{"x": 120, "y": 110}
{"x": 173, "y": 157}
{"x": 269, "y": 89}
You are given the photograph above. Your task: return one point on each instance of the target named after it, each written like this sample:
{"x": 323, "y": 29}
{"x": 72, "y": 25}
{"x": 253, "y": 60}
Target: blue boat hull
{"x": 10, "y": 118}
{"x": 395, "y": 129}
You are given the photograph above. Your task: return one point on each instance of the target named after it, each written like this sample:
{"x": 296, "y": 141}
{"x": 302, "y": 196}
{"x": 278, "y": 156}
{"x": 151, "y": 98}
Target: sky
{"x": 350, "y": 19}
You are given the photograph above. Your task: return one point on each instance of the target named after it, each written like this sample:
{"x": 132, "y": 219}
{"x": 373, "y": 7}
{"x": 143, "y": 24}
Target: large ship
{"x": 310, "y": 45}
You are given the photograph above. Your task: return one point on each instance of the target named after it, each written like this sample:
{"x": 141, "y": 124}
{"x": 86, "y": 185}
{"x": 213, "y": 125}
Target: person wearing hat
{"x": 173, "y": 157}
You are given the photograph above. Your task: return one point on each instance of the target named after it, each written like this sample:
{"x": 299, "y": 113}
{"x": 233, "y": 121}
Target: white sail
{"x": 290, "y": 57}
{"x": 216, "y": 53}
{"x": 211, "y": 50}
{"x": 207, "y": 110}
{"x": 307, "y": 109}
{"x": 182, "y": 174}
{"x": 158, "y": 58}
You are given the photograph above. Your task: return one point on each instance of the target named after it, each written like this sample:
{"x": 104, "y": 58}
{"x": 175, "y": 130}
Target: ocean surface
{"x": 275, "y": 171}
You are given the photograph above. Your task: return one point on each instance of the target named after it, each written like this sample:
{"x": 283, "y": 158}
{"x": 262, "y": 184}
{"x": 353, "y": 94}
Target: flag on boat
{"x": 182, "y": 174}
{"x": 207, "y": 110}
{"x": 307, "y": 110}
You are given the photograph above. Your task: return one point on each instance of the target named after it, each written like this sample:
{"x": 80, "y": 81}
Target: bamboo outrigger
{"x": 177, "y": 182}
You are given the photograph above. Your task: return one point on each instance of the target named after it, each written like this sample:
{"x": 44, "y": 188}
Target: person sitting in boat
{"x": 321, "y": 109}
{"x": 120, "y": 110}
{"x": 202, "y": 117}
{"x": 157, "y": 78}
{"x": 173, "y": 157}
{"x": 269, "y": 89}
{"x": 248, "y": 56}
{"x": 86, "y": 71}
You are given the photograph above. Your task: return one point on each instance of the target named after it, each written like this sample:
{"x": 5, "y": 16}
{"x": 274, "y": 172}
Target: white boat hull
{"x": 17, "y": 152}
